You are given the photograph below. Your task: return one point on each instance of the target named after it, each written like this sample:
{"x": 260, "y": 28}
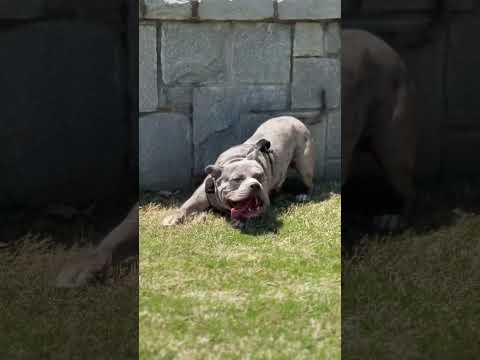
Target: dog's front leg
{"x": 196, "y": 203}
{"x": 82, "y": 270}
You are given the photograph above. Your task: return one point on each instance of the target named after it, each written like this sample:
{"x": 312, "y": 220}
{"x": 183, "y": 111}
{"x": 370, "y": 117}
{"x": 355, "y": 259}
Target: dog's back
{"x": 280, "y": 131}
{"x": 291, "y": 143}
{"x": 371, "y": 70}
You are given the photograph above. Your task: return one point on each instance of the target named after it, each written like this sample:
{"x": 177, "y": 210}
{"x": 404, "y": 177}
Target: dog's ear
{"x": 214, "y": 170}
{"x": 263, "y": 145}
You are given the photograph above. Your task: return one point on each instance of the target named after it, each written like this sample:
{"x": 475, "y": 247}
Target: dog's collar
{"x": 267, "y": 152}
{"x": 210, "y": 189}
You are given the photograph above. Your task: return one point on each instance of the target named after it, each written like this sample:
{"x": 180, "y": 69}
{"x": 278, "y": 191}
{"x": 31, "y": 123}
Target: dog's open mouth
{"x": 246, "y": 208}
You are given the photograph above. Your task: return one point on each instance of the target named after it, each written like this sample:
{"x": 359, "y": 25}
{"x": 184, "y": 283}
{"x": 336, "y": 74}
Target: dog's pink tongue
{"x": 241, "y": 212}
{"x": 235, "y": 214}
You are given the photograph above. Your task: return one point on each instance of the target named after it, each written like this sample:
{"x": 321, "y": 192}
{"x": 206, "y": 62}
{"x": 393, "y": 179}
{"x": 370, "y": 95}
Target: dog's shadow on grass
{"x": 174, "y": 200}
{"x": 270, "y": 222}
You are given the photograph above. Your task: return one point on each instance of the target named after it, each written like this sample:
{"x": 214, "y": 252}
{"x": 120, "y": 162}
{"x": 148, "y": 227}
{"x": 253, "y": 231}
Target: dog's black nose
{"x": 255, "y": 186}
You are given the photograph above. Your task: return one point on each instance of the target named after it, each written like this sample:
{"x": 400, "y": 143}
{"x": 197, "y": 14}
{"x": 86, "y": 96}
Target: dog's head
{"x": 241, "y": 186}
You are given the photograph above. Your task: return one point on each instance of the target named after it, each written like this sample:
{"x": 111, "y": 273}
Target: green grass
{"x": 39, "y": 321}
{"x": 208, "y": 291}
{"x": 415, "y": 296}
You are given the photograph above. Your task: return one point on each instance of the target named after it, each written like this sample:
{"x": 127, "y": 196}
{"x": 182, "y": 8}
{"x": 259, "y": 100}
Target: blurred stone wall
{"x": 437, "y": 40}
{"x": 66, "y": 100}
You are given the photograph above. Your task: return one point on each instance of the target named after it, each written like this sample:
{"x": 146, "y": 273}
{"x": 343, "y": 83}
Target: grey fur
{"x": 250, "y": 167}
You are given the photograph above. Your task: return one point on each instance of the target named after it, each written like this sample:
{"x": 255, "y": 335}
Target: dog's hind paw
{"x": 302, "y": 198}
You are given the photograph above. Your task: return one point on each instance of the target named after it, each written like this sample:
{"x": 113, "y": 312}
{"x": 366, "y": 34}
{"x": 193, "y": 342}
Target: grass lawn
{"x": 415, "y": 295}
{"x": 208, "y": 291}
{"x": 39, "y": 321}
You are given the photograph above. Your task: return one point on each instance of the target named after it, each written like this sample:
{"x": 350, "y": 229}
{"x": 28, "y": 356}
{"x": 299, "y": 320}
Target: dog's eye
{"x": 259, "y": 177}
{"x": 237, "y": 179}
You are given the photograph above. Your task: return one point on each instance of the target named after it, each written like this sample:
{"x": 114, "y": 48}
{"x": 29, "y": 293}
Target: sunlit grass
{"x": 209, "y": 291}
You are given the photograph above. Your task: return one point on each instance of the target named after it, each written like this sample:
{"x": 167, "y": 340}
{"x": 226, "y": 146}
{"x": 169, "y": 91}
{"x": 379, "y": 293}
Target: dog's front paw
{"x": 174, "y": 219}
{"x": 82, "y": 271}
{"x": 302, "y": 198}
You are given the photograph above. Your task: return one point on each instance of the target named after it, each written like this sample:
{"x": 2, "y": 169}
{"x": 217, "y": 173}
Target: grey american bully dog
{"x": 243, "y": 176}
{"x": 378, "y": 109}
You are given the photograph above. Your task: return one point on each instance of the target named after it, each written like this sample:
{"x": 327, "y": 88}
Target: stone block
{"x": 334, "y": 134}
{"x": 309, "y": 9}
{"x": 167, "y": 9}
{"x": 249, "y": 123}
{"x": 177, "y": 99}
{"x": 235, "y": 9}
{"x": 181, "y": 98}
{"x": 319, "y": 134}
{"x": 334, "y": 170}
{"x": 147, "y": 75}
{"x": 310, "y": 76}
{"x": 193, "y": 53}
{"x": 216, "y": 108}
{"x": 308, "y": 39}
{"x": 261, "y": 53}
{"x": 165, "y": 157}
{"x": 216, "y": 116}
{"x": 333, "y": 42}
{"x": 162, "y": 99}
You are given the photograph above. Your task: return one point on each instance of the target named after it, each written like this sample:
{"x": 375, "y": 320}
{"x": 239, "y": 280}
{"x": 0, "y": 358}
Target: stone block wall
{"x": 212, "y": 71}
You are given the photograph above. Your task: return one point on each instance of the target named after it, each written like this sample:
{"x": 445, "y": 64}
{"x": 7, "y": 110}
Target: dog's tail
{"x": 308, "y": 117}
{"x": 315, "y": 116}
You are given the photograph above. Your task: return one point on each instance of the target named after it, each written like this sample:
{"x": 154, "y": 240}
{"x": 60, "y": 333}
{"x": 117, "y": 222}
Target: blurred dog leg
{"x": 82, "y": 271}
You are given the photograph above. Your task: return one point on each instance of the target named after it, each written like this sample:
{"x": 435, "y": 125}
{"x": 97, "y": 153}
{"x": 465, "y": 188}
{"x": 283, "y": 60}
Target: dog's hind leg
{"x": 396, "y": 149}
{"x": 81, "y": 271}
{"x": 305, "y": 165}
